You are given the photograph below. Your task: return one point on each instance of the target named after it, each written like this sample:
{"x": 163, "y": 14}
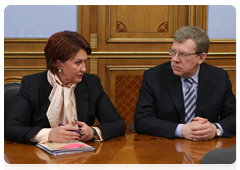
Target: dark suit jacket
{"x": 160, "y": 106}
{"x": 220, "y": 156}
{"x": 27, "y": 115}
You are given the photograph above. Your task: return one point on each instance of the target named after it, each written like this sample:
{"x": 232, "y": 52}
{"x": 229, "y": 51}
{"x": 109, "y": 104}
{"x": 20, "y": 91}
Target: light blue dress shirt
{"x": 178, "y": 131}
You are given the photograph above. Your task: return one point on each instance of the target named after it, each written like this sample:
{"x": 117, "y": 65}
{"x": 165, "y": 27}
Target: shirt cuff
{"x": 99, "y": 135}
{"x": 178, "y": 131}
{"x": 42, "y": 135}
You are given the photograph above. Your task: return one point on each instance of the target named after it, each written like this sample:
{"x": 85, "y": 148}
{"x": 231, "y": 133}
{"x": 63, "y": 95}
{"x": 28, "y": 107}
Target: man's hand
{"x": 199, "y": 129}
{"x": 198, "y": 149}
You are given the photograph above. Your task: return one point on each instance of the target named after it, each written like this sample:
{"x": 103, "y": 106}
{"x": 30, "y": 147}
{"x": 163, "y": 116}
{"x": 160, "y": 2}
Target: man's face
{"x": 185, "y": 67}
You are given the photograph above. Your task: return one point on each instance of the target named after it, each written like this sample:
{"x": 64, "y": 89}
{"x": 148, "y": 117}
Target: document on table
{"x": 68, "y": 147}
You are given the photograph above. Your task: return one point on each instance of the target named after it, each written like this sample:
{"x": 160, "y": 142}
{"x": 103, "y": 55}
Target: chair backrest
{"x": 12, "y": 85}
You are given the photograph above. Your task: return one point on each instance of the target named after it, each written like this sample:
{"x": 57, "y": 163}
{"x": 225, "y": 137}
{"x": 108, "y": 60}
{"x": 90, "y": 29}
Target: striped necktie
{"x": 190, "y": 101}
{"x": 187, "y": 159}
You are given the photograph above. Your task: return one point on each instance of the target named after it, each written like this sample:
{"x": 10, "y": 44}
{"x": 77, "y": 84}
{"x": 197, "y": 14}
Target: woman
{"x": 63, "y": 95}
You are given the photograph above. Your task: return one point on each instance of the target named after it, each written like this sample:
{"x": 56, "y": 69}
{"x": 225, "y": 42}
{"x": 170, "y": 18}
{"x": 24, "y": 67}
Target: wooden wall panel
{"x": 232, "y": 77}
{"x": 124, "y": 90}
{"x": 140, "y": 23}
{"x": 21, "y": 45}
{"x": 121, "y": 55}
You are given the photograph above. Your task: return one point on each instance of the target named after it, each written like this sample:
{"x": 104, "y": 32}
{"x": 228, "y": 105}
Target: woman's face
{"x": 73, "y": 69}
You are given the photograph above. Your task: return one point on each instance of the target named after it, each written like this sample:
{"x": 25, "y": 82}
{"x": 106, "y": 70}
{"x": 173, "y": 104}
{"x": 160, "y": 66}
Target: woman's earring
{"x": 60, "y": 71}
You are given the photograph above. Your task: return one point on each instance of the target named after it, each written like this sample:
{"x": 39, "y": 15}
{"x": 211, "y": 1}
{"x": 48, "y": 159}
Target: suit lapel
{"x": 82, "y": 98}
{"x": 204, "y": 90}
{"x": 44, "y": 101}
{"x": 174, "y": 87}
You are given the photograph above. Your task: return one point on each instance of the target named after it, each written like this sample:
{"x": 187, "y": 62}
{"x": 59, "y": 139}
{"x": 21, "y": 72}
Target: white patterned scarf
{"x": 62, "y": 108}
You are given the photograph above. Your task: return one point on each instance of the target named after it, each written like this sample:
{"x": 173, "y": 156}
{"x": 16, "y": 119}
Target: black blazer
{"x": 27, "y": 115}
{"x": 160, "y": 107}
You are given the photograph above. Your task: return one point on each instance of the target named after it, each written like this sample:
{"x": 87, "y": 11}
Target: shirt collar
{"x": 194, "y": 77}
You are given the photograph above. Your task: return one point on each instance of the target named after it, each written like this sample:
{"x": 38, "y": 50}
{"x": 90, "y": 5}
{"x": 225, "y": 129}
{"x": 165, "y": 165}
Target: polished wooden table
{"x": 127, "y": 149}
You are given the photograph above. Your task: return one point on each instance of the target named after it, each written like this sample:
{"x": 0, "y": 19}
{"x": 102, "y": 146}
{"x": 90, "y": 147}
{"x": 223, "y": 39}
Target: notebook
{"x": 67, "y": 147}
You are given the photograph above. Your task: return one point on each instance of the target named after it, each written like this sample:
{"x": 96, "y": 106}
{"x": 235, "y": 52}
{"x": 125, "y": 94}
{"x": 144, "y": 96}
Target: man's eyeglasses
{"x": 180, "y": 54}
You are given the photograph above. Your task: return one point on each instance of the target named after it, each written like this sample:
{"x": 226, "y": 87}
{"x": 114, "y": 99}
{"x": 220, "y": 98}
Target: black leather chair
{"x": 12, "y": 85}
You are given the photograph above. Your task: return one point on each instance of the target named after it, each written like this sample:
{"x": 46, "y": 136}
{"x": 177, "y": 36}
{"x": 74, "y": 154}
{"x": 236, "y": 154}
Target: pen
{"x": 77, "y": 131}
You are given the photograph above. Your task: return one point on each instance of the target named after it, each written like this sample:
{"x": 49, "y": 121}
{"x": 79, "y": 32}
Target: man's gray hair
{"x": 197, "y": 34}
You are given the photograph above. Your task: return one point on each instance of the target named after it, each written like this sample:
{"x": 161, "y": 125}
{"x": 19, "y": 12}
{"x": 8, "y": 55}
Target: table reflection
{"x": 78, "y": 158}
{"x": 155, "y": 150}
{"x": 104, "y": 153}
{"x": 195, "y": 150}
{"x": 126, "y": 149}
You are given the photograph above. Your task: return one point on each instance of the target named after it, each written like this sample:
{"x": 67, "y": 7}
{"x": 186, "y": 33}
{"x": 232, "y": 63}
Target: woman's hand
{"x": 63, "y": 133}
{"x": 87, "y": 130}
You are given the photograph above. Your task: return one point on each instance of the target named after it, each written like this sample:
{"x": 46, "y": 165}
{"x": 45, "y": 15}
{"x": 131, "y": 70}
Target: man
{"x": 198, "y": 108}
{"x": 220, "y": 156}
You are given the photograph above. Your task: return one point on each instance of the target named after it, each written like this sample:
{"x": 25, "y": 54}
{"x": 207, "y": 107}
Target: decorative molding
{"x": 128, "y": 67}
{"x": 44, "y": 40}
{"x": 163, "y": 27}
{"x": 25, "y": 40}
{"x": 197, "y": 15}
{"x": 228, "y": 68}
{"x": 97, "y": 55}
{"x": 126, "y": 94}
{"x": 222, "y": 41}
{"x": 138, "y": 40}
{"x": 93, "y": 40}
{"x": 145, "y": 67}
{"x": 24, "y": 68}
{"x": 23, "y": 53}
{"x": 192, "y": 12}
{"x": 121, "y": 27}
{"x": 93, "y": 66}
{"x": 124, "y": 68}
